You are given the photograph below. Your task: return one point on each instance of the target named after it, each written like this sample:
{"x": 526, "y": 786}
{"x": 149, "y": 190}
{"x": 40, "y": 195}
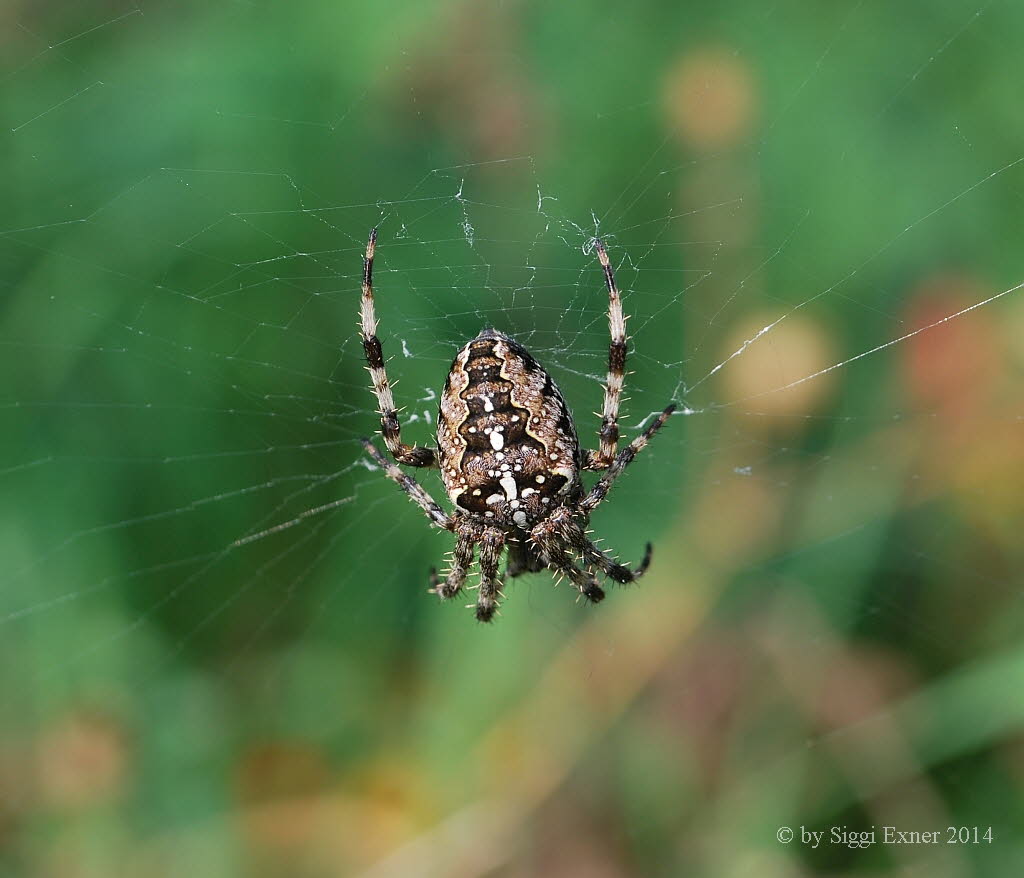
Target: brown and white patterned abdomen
{"x": 508, "y": 448}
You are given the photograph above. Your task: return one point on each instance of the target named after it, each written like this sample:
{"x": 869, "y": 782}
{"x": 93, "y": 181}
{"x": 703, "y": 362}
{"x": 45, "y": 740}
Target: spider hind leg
{"x": 551, "y": 544}
{"x": 492, "y": 542}
{"x": 462, "y": 559}
{"x": 594, "y": 557}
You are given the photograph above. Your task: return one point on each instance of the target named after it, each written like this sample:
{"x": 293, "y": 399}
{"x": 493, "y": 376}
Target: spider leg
{"x": 491, "y": 544}
{"x": 412, "y": 455}
{"x": 434, "y": 512}
{"x": 623, "y": 459}
{"x": 461, "y": 562}
{"x": 585, "y": 582}
{"x": 551, "y": 546}
{"x": 577, "y": 540}
{"x": 609, "y": 432}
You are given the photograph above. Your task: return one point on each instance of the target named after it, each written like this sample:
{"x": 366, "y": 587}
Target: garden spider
{"x": 510, "y": 458}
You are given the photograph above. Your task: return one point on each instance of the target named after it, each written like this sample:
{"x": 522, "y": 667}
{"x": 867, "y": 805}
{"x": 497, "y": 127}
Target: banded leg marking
{"x": 428, "y": 504}
{"x": 411, "y": 455}
{"x": 462, "y": 559}
{"x": 623, "y": 459}
{"x": 491, "y": 544}
{"x": 609, "y": 432}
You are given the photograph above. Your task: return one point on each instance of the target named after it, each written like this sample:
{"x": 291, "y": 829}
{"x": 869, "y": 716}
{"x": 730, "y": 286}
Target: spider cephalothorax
{"x": 510, "y": 458}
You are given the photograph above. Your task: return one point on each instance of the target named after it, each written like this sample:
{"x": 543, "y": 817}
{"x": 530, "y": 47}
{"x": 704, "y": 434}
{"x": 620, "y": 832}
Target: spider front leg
{"x": 421, "y": 498}
{"x": 609, "y": 433}
{"x": 412, "y": 455}
{"x": 623, "y": 459}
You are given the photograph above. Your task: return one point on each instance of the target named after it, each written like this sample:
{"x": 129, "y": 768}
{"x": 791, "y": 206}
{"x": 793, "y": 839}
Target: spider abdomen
{"x": 507, "y": 444}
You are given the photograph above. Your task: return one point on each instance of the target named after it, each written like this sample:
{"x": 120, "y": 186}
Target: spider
{"x": 510, "y": 458}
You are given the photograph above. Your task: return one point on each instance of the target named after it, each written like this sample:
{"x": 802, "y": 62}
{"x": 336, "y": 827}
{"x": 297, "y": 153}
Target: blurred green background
{"x": 200, "y": 676}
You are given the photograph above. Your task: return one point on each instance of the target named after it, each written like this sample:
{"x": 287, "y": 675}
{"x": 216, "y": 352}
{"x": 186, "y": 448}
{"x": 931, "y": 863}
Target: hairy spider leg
{"x": 411, "y": 455}
{"x": 491, "y": 544}
{"x": 462, "y": 560}
{"x": 623, "y": 459}
{"x": 560, "y": 560}
{"x": 551, "y": 546}
{"x": 576, "y": 540}
{"x": 609, "y": 432}
{"x": 421, "y": 498}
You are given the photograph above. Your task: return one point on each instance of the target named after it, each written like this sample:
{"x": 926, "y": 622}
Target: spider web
{"x": 185, "y": 392}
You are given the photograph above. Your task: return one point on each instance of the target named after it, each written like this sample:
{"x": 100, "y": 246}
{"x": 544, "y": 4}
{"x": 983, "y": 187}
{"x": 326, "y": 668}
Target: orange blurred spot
{"x": 483, "y": 101}
{"x": 734, "y": 519}
{"x": 986, "y": 473}
{"x": 82, "y": 761}
{"x": 709, "y": 100}
{"x": 951, "y": 367}
{"x": 961, "y": 371}
{"x": 281, "y": 772}
{"x": 772, "y": 375}
{"x": 857, "y": 683}
{"x": 1013, "y": 330}
{"x": 295, "y": 814}
{"x": 279, "y": 769}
